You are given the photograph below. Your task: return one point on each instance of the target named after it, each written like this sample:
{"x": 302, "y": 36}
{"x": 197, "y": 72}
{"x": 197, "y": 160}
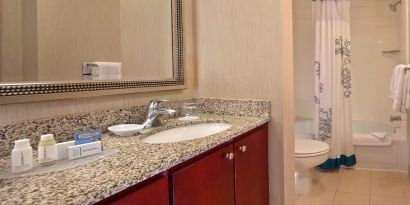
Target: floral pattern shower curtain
{"x": 333, "y": 114}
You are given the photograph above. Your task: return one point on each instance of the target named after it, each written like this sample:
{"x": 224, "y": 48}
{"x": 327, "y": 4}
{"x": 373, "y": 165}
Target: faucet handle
{"x": 155, "y": 103}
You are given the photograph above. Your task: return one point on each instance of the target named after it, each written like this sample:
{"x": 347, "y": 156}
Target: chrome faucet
{"x": 154, "y": 111}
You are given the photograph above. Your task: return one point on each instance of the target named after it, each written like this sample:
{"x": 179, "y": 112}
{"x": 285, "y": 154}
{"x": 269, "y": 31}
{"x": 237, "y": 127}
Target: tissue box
{"x": 102, "y": 71}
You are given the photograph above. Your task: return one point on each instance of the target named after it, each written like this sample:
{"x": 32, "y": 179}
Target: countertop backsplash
{"x": 64, "y": 127}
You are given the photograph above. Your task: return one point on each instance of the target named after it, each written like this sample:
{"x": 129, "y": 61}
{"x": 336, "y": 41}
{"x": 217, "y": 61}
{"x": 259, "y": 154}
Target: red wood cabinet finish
{"x": 251, "y": 169}
{"x": 235, "y": 174}
{"x": 155, "y": 193}
{"x": 209, "y": 181}
{"x": 216, "y": 180}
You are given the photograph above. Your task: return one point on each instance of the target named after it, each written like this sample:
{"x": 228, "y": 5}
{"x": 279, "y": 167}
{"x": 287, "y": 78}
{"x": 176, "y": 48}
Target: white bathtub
{"x": 394, "y": 157}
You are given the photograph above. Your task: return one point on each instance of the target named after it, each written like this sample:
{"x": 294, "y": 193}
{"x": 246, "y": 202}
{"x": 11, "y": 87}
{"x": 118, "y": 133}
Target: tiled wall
{"x": 374, "y": 28}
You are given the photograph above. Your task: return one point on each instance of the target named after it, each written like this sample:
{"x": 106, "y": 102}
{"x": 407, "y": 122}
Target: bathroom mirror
{"x": 68, "y": 46}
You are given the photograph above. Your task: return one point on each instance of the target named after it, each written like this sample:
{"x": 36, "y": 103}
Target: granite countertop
{"x": 134, "y": 162}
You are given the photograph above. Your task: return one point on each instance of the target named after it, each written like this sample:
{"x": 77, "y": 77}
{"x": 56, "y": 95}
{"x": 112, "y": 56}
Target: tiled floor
{"x": 358, "y": 187}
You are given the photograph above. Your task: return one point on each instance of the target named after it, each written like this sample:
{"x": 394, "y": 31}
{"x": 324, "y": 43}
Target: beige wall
{"x": 37, "y": 110}
{"x": 18, "y": 40}
{"x": 45, "y": 41}
{"x": 91, "y": 35}
{"x": 29, "y": 40}
{"x": 374, "y": 28}
{"x": 10, "y": 40}
{"x": 234, "y": 49}
{"x": 405, "y": 32}
{"x": 244, "y": 51}
{"x": 146, "y": 39}
{"x": 303, "y": 57}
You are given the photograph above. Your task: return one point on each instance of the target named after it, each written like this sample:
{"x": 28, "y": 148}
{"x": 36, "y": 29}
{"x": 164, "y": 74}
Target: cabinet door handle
{"x": 243, "y": 148}
{"x": 230, "y": 156}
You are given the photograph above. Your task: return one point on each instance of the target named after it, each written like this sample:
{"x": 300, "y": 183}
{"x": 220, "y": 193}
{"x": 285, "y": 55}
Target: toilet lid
{"x": 307, "y": 146}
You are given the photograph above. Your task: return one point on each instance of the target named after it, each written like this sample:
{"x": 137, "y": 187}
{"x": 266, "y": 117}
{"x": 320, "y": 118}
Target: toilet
{"x": 309, "y": 153}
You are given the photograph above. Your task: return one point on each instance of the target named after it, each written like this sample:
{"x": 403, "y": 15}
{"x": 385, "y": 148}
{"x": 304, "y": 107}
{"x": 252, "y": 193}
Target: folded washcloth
{"x": 365, "y": 139}
{"x": 379, "y": 135}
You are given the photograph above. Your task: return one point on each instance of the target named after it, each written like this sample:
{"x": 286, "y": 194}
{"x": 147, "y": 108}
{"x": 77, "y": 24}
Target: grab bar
{"x": 395, "y": 118}
{"x": 391, "y": 52}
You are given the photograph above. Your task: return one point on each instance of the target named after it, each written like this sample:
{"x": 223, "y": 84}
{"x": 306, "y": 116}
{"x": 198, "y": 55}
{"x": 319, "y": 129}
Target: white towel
{"x": 365, "y": 139}
{"x": 405, "y": 105}
{"x": 396, "y": 87}
{"x": 379, "y": 135}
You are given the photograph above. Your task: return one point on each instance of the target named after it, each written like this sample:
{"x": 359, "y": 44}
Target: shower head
{"x": 393, "y": 7}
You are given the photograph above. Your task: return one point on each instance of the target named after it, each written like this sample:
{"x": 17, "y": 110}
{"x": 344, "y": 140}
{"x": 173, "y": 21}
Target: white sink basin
{"x": 191, "y": 132}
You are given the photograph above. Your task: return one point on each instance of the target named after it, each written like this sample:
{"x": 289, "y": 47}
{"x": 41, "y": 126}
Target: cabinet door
{"x": 251, "y": 167}
{"x": 155, "y": 193}
{"x": 209, "y": 181}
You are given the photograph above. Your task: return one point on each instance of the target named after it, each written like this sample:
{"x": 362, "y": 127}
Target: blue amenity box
{"x": 88, "y": 136}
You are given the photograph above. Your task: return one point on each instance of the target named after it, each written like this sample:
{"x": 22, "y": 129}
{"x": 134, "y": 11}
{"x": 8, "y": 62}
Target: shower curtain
{"x": 333, "y": 114}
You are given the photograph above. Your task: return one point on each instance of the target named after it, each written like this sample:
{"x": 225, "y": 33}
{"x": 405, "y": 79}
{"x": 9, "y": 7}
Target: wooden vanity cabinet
{"x": 251, "y": 169}
{"x": 207, "y": 181}
{"x": 154, "y": 192}
{"x": 236, "y": 174}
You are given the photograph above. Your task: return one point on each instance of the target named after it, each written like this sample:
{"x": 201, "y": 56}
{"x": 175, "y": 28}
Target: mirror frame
{"x": 42, "y": 91}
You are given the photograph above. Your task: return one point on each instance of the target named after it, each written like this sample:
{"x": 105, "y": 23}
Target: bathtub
{"x": 394, "y": 157}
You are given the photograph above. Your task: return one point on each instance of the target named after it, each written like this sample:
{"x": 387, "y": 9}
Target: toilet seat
{"x": 310, "y": 148}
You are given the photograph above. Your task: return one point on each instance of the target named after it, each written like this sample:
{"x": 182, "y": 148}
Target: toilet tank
{"x": 304, "y": 129}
